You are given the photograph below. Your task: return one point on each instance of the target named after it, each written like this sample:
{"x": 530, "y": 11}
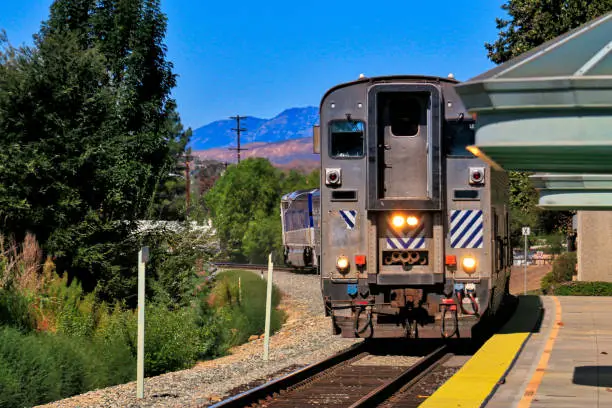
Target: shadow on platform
{"x": 595, "y": 376}
{"x": 527, "y": 317}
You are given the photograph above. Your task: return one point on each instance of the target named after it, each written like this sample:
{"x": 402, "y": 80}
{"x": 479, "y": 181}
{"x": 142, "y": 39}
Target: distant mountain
{"x": 290, "y": 124}
{"x": 293, "y": 153}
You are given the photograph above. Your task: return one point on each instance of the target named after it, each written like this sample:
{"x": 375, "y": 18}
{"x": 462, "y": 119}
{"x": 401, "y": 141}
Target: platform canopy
{"x": 549, "y": 109}
{"x": 574, "y": 191}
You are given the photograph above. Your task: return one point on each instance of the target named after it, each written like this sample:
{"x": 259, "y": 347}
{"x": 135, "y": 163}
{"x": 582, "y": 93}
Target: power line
{"x": 238, "y": 129}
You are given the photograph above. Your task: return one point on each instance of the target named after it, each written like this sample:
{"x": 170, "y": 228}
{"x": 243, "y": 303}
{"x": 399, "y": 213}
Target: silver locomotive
{"x": 414, "y": 227}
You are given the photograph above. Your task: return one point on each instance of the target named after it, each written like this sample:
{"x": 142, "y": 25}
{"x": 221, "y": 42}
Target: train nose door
{"x": 402, "y": 135}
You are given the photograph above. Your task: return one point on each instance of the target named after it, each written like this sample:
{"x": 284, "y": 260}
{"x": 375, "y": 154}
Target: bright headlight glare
{"x": 397, "y": 221}
{"x": 412, "y": 221}
{"x": 468, "y": 264}
{"x": 342, "y": 263}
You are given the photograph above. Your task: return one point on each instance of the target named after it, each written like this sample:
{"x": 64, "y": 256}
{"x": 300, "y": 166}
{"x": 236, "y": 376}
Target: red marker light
{"x": 360, "y": 260}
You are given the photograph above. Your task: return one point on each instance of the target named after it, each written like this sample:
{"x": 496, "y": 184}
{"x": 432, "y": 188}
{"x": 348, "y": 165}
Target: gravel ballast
{"x": 304, "y": 339}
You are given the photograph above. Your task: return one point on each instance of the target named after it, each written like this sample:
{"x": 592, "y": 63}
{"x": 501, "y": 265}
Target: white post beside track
{"x": 526, "y": 232}
{"x": 268, "y": 310}
{"x": 143, "y": 258}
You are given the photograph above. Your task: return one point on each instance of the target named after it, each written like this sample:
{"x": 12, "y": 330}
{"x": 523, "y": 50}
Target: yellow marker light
{"x": 412, "y": 221}
{"x": 342, "y": 263}
{"x": 398, "y": 221}
{"x": 468, "y": 264}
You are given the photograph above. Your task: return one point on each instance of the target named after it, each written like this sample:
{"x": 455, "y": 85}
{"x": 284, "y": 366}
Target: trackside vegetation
{"x": 92, "y": 148}
{"x": 57, "y": 341}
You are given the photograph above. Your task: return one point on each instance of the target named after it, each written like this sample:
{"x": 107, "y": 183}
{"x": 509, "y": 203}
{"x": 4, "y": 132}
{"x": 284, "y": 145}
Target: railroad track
{"x": 361, "y": 376}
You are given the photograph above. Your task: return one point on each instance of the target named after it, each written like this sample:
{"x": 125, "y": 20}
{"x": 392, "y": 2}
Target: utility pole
{"x": 187, "y": 184}
{"x": 238, "y": 129}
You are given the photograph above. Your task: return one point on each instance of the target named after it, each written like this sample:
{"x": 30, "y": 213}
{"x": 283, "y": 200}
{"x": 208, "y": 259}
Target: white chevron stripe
{"x": 476, "y": 238}
{"x": 471, "y": 216}
{"x": 477, "y": 224}
{"x": 475, "y": 216}
{"x": 418, "y": 241}
{"x": 351, "y": 215}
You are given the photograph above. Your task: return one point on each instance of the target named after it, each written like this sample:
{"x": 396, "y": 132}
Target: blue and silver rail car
{"x": 301, "y": 223}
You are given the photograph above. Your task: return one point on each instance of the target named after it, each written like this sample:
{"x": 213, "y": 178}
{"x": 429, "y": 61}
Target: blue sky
{"x": 259, "y": 58}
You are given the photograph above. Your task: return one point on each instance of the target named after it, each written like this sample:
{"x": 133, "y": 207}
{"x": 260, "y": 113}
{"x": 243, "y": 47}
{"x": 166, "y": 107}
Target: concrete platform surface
{"x": 566, "y": 362}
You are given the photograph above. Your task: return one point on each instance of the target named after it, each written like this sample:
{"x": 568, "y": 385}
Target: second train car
{"x": 300, "y": 220}
{"x": 414, "y": 227}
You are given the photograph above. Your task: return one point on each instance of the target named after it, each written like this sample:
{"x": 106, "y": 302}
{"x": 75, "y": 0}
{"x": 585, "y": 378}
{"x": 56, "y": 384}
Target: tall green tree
{"x": 89, "y": 135}
{"x": 530, "y": 23}
{"x": 533, "y": 22}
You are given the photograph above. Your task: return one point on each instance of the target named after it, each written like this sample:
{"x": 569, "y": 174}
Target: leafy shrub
{"x": 38, "y": 367}
{"x": 564, "y": 267}
{"x": 15, "y": 311}
{"x": 174, "y": 258}
{"x": 563, "y": 270}
{"x": 172, "y": 339}
{"x": 584, "y": 289}
{"x": 241, "y": 319}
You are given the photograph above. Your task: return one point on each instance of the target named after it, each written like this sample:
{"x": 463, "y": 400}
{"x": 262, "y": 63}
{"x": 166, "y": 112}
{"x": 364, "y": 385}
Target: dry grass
{"x": 20, "y": 264}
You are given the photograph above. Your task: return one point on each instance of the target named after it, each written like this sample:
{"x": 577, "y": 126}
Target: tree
{"x": 89, "y": 136}
{"x": 245, "y": 190}
{"x": 262, "y": 236}
{"x": 530, "y": 24}
{"x": 533, "y": 22}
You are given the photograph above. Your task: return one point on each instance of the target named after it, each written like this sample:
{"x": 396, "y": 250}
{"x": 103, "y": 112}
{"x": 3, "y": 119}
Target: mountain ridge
{"x": 291, "y": 123}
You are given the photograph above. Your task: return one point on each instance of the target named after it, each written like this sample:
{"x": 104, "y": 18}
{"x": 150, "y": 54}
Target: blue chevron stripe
{"x": 466, "y": 229}
{"x": 349, "y": 217}
{"x": 416, "y": 239}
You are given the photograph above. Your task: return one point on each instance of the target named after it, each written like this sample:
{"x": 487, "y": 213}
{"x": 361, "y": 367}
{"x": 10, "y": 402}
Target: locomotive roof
{"x": 390, "y": 78}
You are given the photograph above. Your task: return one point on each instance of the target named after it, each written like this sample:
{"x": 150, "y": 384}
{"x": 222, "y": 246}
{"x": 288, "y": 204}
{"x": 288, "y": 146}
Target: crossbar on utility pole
{"x": 238, "y": 129}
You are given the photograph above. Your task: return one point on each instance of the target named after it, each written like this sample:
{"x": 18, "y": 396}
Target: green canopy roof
{"x": 550, "y": 109}
{"x": 574, "y": 191}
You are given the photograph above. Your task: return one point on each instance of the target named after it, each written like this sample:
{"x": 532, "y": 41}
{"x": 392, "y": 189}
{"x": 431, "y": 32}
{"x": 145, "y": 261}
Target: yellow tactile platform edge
{"x": 474, "y": 382}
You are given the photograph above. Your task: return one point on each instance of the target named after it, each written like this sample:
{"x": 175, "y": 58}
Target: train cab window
{"x": 459, "y": 135}
{"x": 346, "y": 138}
{"x": 405, "y": 116}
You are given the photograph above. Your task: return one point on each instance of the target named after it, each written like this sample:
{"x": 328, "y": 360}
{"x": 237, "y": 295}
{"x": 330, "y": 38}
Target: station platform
{"x": 553, "y": 352}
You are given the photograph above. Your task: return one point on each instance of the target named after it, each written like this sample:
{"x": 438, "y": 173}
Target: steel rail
{"x": 411, "y": 374}
{"x": 275, "y": 386}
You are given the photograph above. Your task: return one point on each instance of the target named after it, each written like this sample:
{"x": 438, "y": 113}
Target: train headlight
{"x": 342, "y": 263}
{"x": 398, "y": 221}
{"x": 412, "y": 221}
{"x": 468, "y": 264}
